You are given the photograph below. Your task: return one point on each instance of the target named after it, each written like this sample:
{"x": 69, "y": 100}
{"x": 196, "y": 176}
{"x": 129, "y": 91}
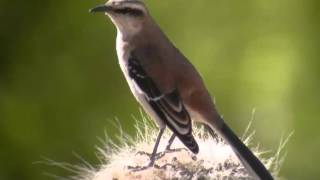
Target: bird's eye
{"x": 130, "y": 11}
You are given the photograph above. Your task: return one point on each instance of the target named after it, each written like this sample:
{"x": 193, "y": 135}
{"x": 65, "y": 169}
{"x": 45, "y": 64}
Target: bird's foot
{"x": 141, "y": 168}
{"x": 156, "y": 157}
{"x": 159, "y": 155}
{"x": 153, "y": 159}
{"x": 168, "y": 151}
{"x": 142, "y": 153}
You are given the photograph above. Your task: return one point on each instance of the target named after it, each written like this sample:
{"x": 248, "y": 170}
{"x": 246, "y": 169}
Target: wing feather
{"x": 168, "y": 106}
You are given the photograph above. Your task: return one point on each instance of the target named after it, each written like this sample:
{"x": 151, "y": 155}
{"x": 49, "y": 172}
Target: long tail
{"x": 247, "y": 158}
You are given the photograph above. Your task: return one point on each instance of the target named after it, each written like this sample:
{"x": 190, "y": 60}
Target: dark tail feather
{"x": 248, "y": 159}
{"x": 189, "y": 142}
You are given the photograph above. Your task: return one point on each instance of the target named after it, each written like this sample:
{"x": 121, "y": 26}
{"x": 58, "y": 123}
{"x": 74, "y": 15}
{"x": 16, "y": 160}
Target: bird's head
{"x": 127, "y": 15}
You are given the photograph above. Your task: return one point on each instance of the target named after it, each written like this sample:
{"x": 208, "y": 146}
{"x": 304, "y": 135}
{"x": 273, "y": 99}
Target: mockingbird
{"x": 166, "y": 84}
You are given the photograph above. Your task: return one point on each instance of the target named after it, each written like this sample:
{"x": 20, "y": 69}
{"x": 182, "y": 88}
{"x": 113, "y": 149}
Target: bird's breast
{"x": 123, "y": 53}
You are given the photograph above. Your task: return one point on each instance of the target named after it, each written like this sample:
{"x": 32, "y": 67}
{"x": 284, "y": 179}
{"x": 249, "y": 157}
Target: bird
{"x": 166, "y": 84}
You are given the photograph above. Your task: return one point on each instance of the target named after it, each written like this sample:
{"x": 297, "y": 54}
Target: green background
{"x": 61, "y": 86}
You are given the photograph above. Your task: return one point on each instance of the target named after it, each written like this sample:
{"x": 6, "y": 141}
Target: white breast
{"x": 123, "y": 52}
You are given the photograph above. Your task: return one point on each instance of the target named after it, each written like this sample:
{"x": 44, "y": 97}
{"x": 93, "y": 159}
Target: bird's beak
{"x": 101, "y": 8}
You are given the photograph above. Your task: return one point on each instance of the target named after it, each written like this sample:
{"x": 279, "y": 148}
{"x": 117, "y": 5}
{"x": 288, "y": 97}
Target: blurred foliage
{"x": 61, "y": 87}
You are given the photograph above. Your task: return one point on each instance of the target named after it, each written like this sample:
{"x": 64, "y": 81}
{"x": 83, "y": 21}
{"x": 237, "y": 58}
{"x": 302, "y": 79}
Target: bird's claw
{"x": 142, "y": 153}
{"x": 156, "y": 157}
{"x": 161, "y": 154}
{"x": 141, "y": 168}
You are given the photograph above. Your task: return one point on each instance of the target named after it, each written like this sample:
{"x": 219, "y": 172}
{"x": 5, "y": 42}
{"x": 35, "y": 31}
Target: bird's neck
{"x": 148, "y": 34}
{"x": 123, "y": 35}
{"x": 134, "y": 31}
{"x": 128, "y": 30}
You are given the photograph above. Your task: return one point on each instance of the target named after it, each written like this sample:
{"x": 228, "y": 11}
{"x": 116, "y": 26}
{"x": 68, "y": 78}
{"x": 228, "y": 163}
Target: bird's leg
{"x": 153, "y": 154}
{"x": 155, "y": 148}
{"x": 168, "y": 148}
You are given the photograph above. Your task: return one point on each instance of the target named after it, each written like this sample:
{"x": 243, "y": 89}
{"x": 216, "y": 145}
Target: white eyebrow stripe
{"x": 134, "y": 6}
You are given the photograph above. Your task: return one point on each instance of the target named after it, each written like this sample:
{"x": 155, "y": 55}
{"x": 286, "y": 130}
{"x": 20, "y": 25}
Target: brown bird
{"x": 166, "y": 84}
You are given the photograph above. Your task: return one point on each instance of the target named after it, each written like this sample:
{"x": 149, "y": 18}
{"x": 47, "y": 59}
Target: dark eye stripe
{"x": 129, "y": 11}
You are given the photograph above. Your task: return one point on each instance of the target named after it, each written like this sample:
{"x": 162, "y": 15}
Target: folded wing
{"x": 167, "y": 106}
